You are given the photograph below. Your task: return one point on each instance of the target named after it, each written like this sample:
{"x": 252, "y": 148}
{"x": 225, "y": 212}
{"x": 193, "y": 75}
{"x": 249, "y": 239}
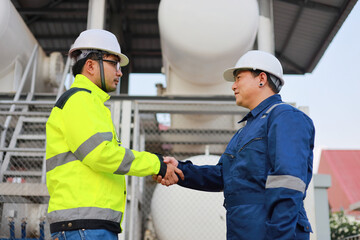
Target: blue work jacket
{"x": 264, "y": 173}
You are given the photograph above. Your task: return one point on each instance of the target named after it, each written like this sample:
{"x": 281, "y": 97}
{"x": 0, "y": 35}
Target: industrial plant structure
{"x": 191, "y": 42}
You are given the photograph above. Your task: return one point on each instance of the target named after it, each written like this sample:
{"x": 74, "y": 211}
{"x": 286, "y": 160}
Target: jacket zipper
{"x": 227, "y": 154}
{"x": 252, "y": 140}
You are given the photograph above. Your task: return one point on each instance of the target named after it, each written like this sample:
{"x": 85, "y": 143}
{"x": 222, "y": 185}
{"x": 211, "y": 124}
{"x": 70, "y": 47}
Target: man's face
{"x": 112, "y": 72}
{"x": 245, "y": 88}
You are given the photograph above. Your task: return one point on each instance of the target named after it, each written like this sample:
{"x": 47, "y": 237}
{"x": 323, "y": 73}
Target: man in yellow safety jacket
{"x": 85, "y": 164}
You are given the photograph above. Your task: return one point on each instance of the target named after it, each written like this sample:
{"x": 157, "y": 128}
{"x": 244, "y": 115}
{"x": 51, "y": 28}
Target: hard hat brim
{"x": 124, "y": 60}
{"x": 229, "y": 73}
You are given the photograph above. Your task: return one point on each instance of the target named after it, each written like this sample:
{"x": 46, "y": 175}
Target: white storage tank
{"x": 16, "y": 46}
{"x": 184, "y": 214}
{"x": 201, "y": 38}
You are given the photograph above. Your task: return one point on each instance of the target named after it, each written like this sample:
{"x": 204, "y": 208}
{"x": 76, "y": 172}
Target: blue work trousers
{"x": 85, "y": 234}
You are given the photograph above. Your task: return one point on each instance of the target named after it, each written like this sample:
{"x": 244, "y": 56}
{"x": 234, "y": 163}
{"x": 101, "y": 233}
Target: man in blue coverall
{"x": 267, "y": 165}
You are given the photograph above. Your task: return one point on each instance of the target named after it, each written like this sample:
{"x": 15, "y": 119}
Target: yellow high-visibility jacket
{"x": 85, "y": 164}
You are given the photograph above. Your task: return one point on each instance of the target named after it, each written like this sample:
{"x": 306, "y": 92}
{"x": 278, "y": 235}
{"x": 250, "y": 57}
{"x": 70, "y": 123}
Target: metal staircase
{"x": 22, "y": 142}
{"x": 23, "y": 116}
{"x": 22, "y": 156}
{"x": 24, "y": 160}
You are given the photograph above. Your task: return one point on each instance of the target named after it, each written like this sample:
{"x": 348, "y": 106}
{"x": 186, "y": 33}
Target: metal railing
{"x": 355, "y": 237}
{"x": 32, "y": 61}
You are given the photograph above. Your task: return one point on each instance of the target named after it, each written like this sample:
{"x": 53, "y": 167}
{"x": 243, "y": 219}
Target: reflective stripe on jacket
{"x": 264, "y": 173}
{"x": 85, "y": 164}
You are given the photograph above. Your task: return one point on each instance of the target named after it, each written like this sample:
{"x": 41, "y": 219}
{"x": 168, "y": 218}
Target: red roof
{"x": 344, "y": 168}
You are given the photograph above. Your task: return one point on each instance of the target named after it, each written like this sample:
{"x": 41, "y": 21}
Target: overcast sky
{"x": 331, "y": 91}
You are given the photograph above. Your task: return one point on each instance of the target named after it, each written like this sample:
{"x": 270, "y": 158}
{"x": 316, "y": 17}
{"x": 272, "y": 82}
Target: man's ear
{"x": 263, "y": 78}
{"x": 90, "y": 67}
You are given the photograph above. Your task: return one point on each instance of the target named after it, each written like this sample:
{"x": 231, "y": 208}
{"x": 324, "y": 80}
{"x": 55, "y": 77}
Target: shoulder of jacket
{"x": 275, "y": 107}
{"x": 282, "y": 107}
{"x": 286, "y": 108}
{"x": 60, "y": 103}
{"x": 278, "y": 109}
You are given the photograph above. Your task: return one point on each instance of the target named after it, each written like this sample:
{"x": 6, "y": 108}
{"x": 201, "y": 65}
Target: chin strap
{"x": 103, "y": 85}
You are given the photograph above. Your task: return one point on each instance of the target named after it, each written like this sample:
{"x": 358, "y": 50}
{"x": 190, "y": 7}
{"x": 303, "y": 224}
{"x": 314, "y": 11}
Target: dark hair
{"x": 79, "y": 65}
{"x": 256, "y": 73}
{"x": 77, "y": 68}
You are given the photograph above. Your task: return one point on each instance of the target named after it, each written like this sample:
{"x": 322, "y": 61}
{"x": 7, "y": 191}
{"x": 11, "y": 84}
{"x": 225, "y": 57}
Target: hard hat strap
{"x": 102, "y": 75}
{"x": 276, "y": 82}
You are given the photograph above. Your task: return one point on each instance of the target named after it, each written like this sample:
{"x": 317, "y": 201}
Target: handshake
{"x": 172, "y": 173}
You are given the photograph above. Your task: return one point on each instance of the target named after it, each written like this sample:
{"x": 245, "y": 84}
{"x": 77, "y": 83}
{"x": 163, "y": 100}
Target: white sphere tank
{"x": 16, "y": 46}
{"x": 202, "y": 38}
{"x": 184, "y": 214}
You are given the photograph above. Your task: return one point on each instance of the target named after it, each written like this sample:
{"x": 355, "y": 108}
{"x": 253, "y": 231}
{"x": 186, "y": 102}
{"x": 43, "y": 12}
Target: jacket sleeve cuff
{"x": 163, "y": 166}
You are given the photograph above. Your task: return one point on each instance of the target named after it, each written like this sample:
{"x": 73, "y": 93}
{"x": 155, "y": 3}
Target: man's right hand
{"x": 171, "y": 172}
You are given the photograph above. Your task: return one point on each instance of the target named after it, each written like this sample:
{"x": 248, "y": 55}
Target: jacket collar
{"x": 83, "y": 82}
{"x": 262, "y": 106}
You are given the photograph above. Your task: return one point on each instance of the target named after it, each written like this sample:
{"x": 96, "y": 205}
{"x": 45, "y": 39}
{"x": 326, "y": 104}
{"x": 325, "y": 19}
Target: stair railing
{"x": 18, "y": 94}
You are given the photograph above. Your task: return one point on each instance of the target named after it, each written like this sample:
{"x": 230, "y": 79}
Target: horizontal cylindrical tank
{"x": 201, "y": 38}
{"x": 16, "y": 46}
{"x": 183, "y": 214}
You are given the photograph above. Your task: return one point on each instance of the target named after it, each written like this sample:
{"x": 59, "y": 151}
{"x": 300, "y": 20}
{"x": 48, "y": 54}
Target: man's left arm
{"x": 290, "y": 144}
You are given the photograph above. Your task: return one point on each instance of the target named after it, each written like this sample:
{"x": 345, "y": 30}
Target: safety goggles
{"x": 116, "y": 64}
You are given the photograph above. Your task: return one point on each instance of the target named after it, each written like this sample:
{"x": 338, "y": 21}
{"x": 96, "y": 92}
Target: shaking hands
{"x": 172, "y": 173}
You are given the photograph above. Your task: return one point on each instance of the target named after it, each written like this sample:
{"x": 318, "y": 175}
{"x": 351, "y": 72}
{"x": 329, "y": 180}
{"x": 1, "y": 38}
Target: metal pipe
{"x": 125, "y": 139}
{"x": 42, "y": 232}
{"x": 265, "y": 37}
{"x": 43, "y": 114}
{"x": 43, "y": 170}
{"x": 7, "y": 102}
{"x": 26, "y": 72}
{"x": 96, "y": 14}
{"x": 12, "y": 228}
{"x": 228, "y": 102}
{"x": 23, "y": 228}
{"x": 33, "y": 78}
{"x": 36, "y": 150}
{"x": 134, "y": 179}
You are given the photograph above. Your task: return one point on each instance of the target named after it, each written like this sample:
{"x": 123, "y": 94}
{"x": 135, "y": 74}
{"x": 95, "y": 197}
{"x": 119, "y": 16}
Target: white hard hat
{"x": 256, "y": 60}
{"x": 99, "y": 39}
